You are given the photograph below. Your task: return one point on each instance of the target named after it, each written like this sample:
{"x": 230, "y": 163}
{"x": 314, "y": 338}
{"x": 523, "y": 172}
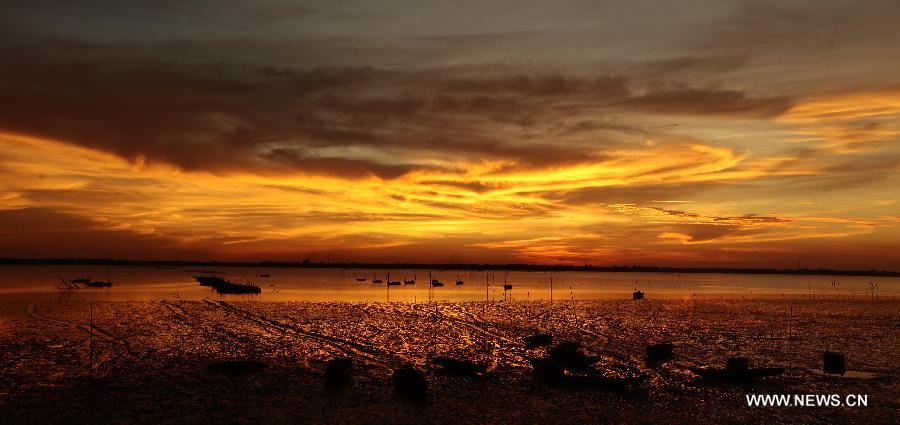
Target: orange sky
{"x": 180, "y": 139}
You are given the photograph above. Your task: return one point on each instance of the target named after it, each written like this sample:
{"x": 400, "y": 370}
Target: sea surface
{"x": 39, "y": 283}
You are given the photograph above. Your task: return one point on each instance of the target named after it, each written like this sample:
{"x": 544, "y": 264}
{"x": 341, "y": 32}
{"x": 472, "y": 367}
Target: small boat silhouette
{"x": 376, "y": 280}
{"x": 225, "y": 286}
{"x": 458, "y": 280}
{"x": 410, "y": 281}
{"x": 390, "y": 282}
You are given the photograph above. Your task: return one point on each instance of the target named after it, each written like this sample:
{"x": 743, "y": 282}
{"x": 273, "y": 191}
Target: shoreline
{"x": 439, "y": 266}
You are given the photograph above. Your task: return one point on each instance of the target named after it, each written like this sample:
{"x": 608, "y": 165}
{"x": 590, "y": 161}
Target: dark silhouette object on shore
{"x": 452, "y": 366}
{"x": 567, "y": 365}
{"x": 736, "y": 369}
{"x": 410, "y": 383}
{"x": 637, "y": 295}
{"x": 834, "y": 363}
{"x": 538, "y": 340}
{"x": 236, "y": 367}
{"x": 657, "y": 353}
{"x": 568, "y": 354}
{"x": 339, "y": 372}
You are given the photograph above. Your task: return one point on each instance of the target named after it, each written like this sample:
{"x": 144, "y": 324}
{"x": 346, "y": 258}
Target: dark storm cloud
{"x": 225, "y": 115}
{"x": 38, "y": 232}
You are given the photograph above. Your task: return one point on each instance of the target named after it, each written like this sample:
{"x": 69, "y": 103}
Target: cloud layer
{"x": 726, "y": 133}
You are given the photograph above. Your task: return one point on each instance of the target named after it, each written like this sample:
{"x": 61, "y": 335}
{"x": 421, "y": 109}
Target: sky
{"x": 690, "y": 133}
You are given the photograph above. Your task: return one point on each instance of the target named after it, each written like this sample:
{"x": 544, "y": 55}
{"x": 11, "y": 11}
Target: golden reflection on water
{"x": 25, "y": 283}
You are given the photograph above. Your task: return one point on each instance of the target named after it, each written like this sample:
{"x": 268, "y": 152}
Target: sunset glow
{"x": 349, "y": 143}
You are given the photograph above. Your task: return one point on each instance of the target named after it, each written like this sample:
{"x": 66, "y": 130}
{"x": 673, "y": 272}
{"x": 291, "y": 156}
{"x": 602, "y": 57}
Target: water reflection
{"x": 28, "y": 283}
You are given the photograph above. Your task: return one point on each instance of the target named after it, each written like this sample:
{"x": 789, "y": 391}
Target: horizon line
{"x": 448, "y": 266}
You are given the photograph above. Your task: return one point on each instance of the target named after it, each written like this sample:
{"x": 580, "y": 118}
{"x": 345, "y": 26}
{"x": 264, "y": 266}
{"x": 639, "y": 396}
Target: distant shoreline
{"x": 436, "y": 266}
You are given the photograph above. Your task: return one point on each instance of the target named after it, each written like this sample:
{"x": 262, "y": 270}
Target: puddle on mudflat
{"x": 855, "y": 374}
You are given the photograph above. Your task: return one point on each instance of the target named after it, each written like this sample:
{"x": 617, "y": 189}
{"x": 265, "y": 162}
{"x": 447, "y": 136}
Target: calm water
{"x": 37, "y": 283}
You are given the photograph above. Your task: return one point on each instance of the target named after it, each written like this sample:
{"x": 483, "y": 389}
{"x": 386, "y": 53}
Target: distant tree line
{"x": 306, "y": 263}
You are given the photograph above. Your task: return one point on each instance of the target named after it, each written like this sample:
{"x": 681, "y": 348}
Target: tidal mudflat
{"x": 155, "y": 361}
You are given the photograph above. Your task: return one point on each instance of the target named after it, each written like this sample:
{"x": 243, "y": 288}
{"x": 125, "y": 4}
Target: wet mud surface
{"x": 162, "y": 361}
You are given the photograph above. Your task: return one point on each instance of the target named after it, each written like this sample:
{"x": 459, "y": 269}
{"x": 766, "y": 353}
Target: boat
{"x": 264, "y": 275}
{"x": 98, "y": 284}
{"x": 435, "y": 282}
{"x": 736, "y": 369}
{"x": 410, "y": 281}
{"x": 376, "y": 280}
{"x": 81, "y": 280}
{"x": 225, "y": 286}
{"x": 230, "y": 287}
{"x": 458, "y": 280}
{"x": 65, "y": 284}
{"x": 209, "y": 280}
{"x": 506, "y": 286}
{"x": 637, "y": 295}
{"x": 391, "y": 283}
